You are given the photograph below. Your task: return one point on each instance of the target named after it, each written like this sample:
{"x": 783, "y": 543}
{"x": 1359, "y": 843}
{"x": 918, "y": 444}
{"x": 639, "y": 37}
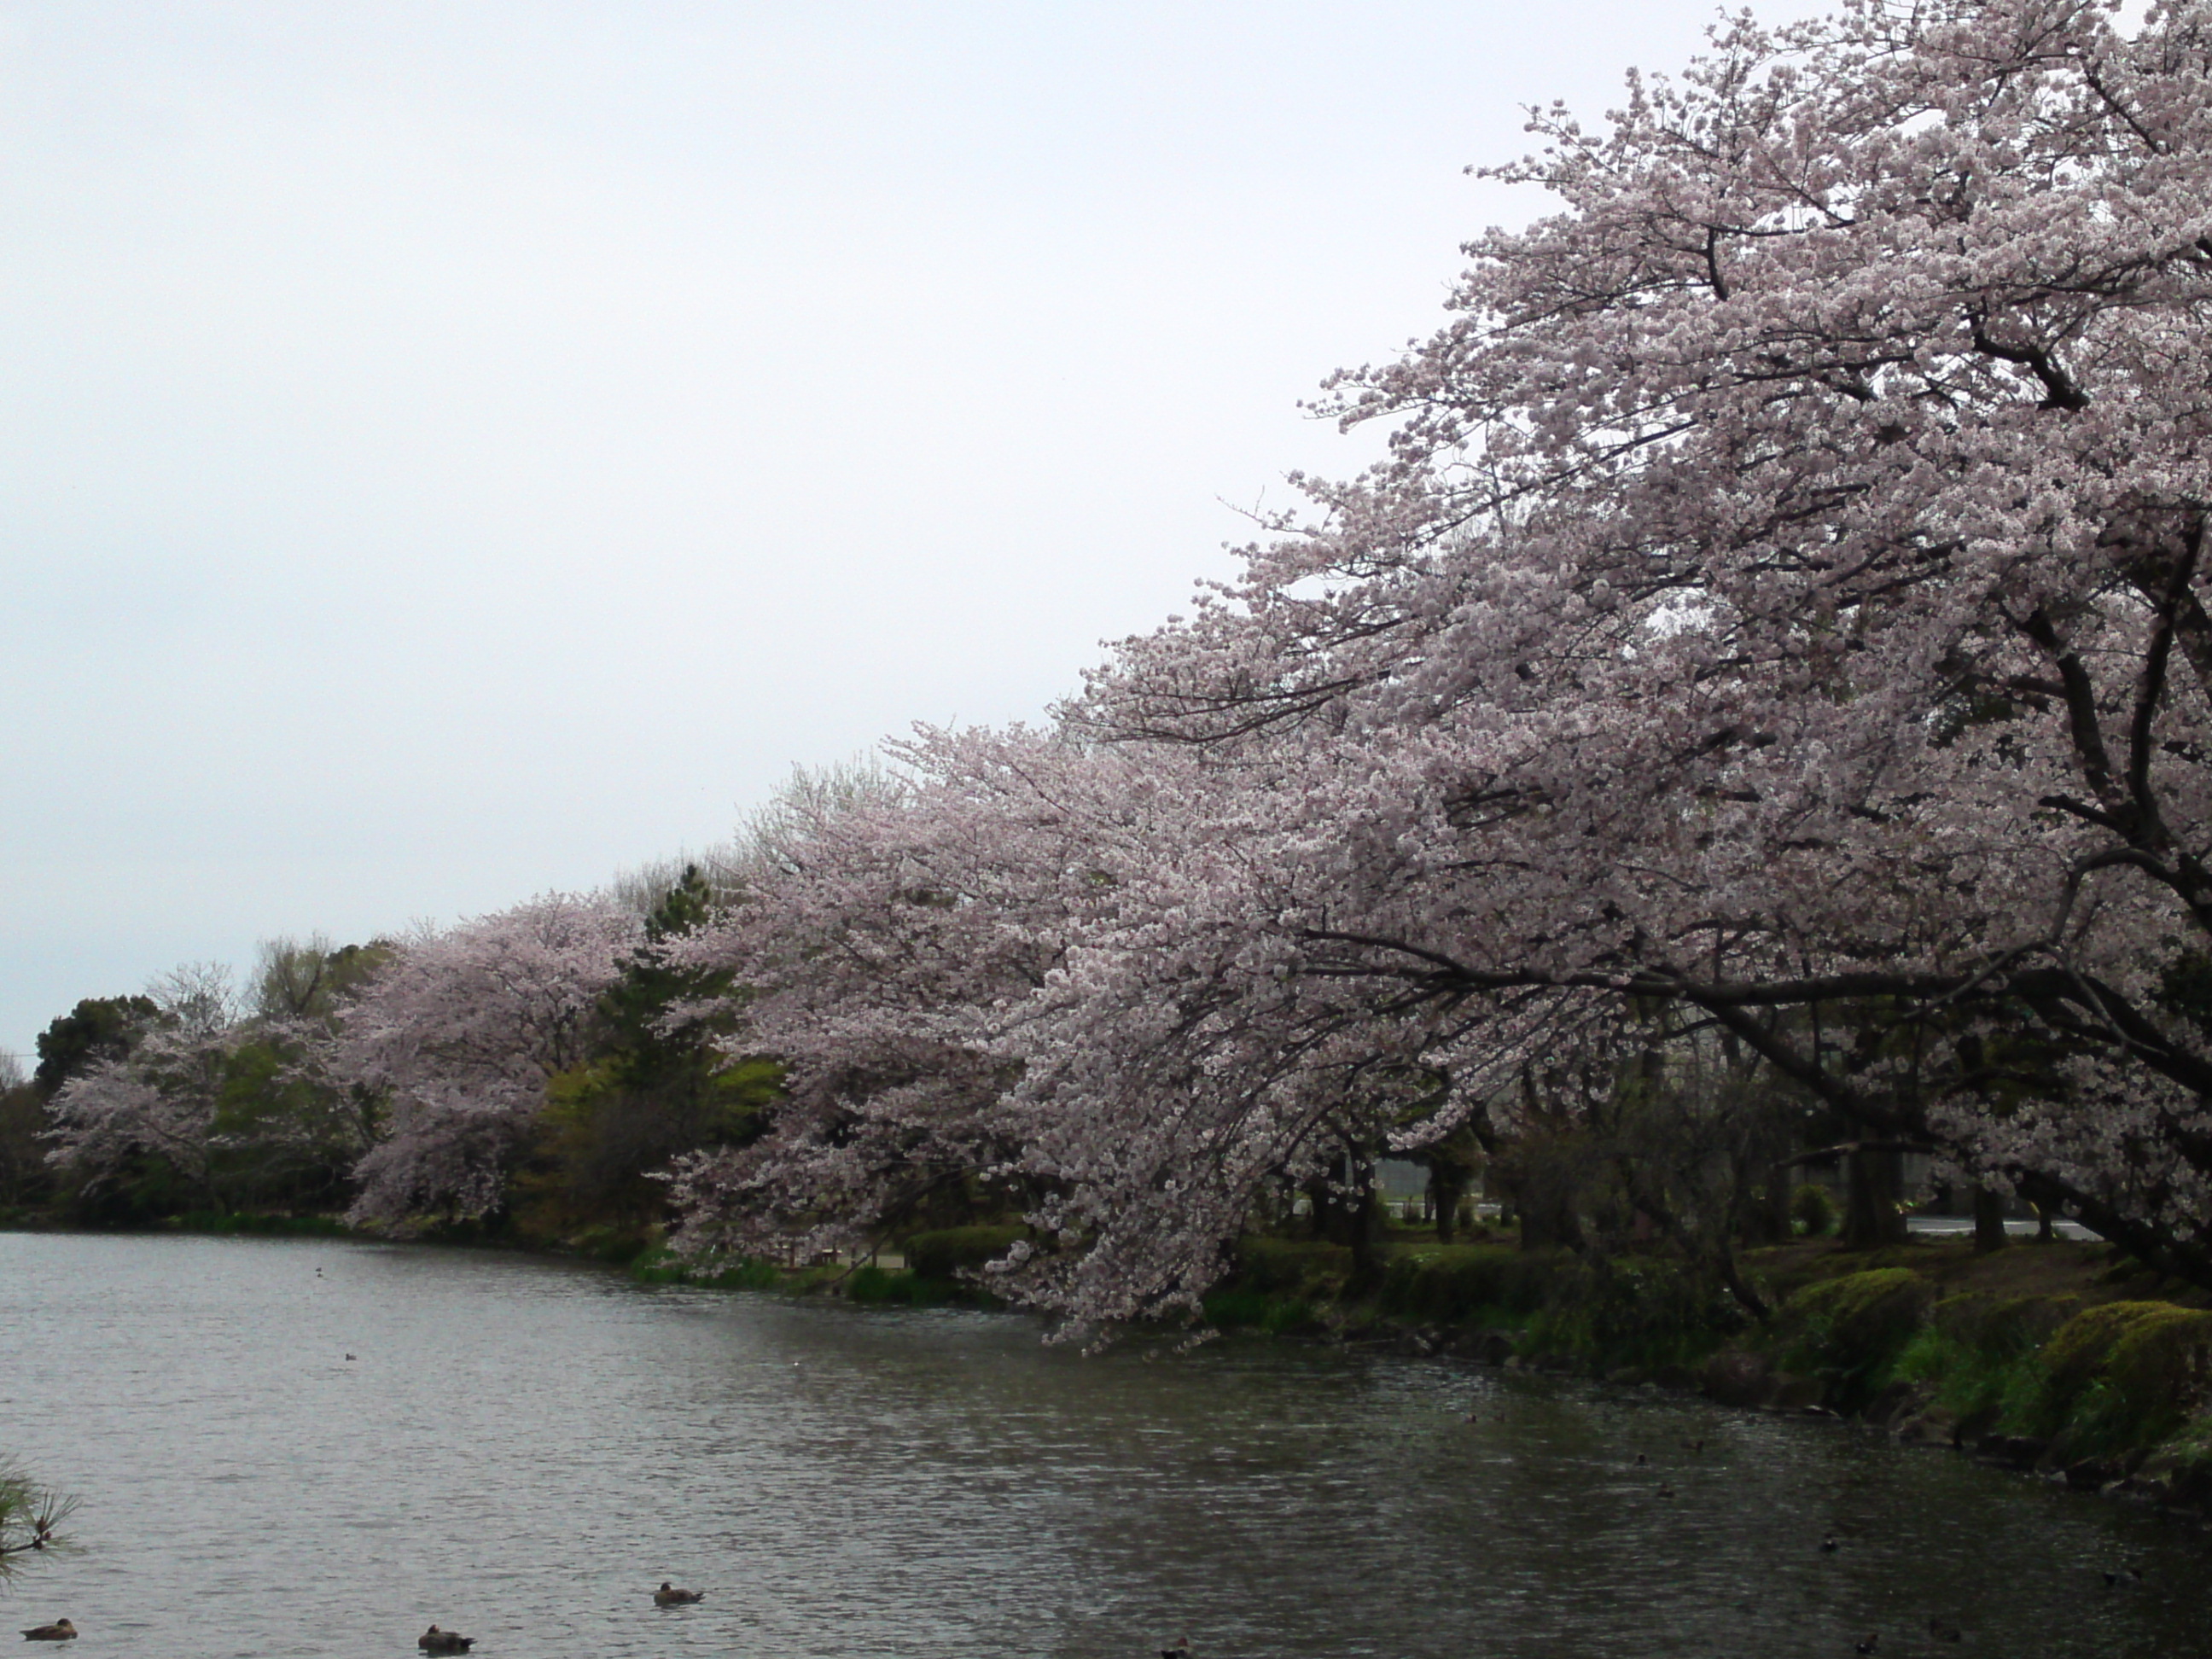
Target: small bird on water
{"x": 1828, "y": 1545}
{"x": 60, "y": 1631}
{"x": 1180, "y": 1650}
{"x": 1867, "y": 1646}
{"x": 435, "y": 1640}
{"x": 669, "y": 1597}
{"x": 1944, "y": 1631}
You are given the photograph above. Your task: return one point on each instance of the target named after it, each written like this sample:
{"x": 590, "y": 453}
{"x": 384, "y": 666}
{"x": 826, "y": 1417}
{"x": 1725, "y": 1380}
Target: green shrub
{"x": 1456, "y": 1283}
{"x": 2125, "y": 1374}
{"x": 1632, "y": 1312}
{"x": 1852, "y": 1332}
{"x": 1232, "y": 1308}
{"x": 1984, "y": 1353}
{"x": 1812, "y": 1210}
{"x": 1291, "y": 1266}
{"x": 949, "y": 1252}
{"x": 259, "y": 1225}
{"x": 882, "y": 1287}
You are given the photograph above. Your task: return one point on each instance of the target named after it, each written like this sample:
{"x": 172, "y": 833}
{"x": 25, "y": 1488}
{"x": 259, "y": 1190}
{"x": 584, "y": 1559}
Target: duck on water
{"x": 435, "y": 1640}
{"x": 60, "y": 1631}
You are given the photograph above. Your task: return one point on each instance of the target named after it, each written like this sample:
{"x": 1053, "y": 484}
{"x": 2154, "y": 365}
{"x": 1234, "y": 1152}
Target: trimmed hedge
{"x": 1852, "y": 1332}
{"x": 2125, "y": 1374}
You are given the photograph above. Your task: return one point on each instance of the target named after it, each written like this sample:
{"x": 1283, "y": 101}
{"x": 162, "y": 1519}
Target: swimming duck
{"x": 60, "y": 1631}
{"x": 1828, "y": 1545}
{"x": 1180, "y": 1650}
{"x": 1944, "y": 1631}
{"x": 669, "y": 1597}
{"x": 1867, "y": 1646}
{"x": 435, "y": 1640}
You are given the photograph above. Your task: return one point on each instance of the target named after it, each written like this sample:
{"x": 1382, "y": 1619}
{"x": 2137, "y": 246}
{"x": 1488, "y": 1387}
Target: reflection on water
{"x": 523, "y": 1450}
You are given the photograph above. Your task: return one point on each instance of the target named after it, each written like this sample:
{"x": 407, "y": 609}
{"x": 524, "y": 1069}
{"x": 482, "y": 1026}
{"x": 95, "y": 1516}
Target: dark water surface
{"x": 522, "y": 1450}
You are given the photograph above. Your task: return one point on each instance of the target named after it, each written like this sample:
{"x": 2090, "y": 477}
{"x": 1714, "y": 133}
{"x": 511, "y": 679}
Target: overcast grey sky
{"x": 458, "y": 449}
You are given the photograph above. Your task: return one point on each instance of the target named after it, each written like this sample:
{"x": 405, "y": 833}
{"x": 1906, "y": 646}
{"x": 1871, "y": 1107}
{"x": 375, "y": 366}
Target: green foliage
{"x": 1645, "y": 1314}
{"x": 1234, "y": 1310}
{"x": 949, "y": 1252}
{"x": 1983, "y": 1355}
{"x": 258, "y": 1224}
{"x": 1294, "y": 1267}
{"x": 1850, "y": 1331}
{"x": 309, "y": 979}
{"x": 882, "y": 1287}
{"x": 719, "y": 1273}
{"x": 283, "y": 1139}
{"x": 1812, "y": 1210}
{"x": 25, "y": 1177}
{"x": 97, "y": 1029}
{"x": 2124, "y": 1374}
{"x": 30, "y": 1514}
{"x": 657, "y": 1087}
{"x": 1486, "y": 1284}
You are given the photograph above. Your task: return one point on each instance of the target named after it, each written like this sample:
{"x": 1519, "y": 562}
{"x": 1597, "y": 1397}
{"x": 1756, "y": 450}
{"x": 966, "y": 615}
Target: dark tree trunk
{"x": 1871, "y": 1217}
{"x": 1368, "y": 1233}
{"x": 1989, "y": 1221}
{"x": 1321, "y": 1207}
{"x": 1448, "y": 1184}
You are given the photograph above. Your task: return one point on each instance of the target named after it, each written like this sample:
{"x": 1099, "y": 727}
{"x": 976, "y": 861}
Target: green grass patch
{"x": 716, "y": 1272}
{"x": 248, "y": 1223}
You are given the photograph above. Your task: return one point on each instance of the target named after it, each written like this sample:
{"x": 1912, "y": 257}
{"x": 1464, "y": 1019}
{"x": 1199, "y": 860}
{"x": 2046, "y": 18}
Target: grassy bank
{"x": 2051, "y": 1357}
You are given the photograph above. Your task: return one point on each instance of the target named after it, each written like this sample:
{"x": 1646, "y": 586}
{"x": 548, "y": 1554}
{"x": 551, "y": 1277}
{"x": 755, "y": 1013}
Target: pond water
{"x": 299, "y": 1448}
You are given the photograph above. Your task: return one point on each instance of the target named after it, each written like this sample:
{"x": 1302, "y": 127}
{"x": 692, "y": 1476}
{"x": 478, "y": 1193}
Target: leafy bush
{"x": 881, "y": 1287}
{"x": 1643, "y": 1314}
{"x": 1985, "y": 1355}
{"x": 1291, "y": 1266}
{"x": 950, "y": 1251}
{"x": 1234, "y": 1310}
{"x": 1852, "y": 1332}
{"x": 2125, "y": 1374}
{"x": 1454, "y": 1284}
{"x": 1812, "y": 1210}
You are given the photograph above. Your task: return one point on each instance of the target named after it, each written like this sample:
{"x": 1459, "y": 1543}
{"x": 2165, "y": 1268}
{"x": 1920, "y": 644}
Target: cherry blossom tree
{"x": 1781, "y": 608}
{"x": 459, "y": 1033}
{"x": 161, "y": 1097}
{"x": 880, "y": 921}
{"x": 1783, "y": 602}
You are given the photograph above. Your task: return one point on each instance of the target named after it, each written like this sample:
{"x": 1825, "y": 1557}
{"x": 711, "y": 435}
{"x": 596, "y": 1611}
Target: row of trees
{"x": 516, "y": 1064}
{"x": 1763, "y": 695}
{"x": 1768, "y": 677}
